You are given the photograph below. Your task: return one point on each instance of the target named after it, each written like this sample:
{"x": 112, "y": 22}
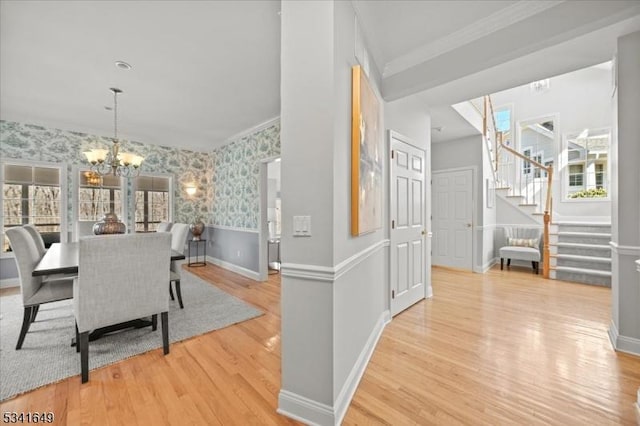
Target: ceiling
{"x": 447, "y": 125}
{"x": 204, "y": 71}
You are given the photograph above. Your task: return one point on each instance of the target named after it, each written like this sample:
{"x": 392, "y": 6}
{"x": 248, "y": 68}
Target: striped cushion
{"x": 524, "y": 242}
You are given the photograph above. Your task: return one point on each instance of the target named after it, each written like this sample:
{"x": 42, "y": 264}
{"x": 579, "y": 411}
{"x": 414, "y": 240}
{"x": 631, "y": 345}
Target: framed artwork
{"x": 366, "y": 156}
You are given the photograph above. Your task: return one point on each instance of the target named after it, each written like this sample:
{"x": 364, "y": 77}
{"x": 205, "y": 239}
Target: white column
{"x": 625, "y": 192}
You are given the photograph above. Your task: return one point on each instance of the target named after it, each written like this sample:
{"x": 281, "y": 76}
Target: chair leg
{"x": 34, "y": 312}
{"x": 154, "y": 322}
{"x": 77, "y": 339}
{"x": 164, "y": 316}
{"x": 171, "y": 291}
{"x": 508, "y": 263}
{"x": 179, "y": 292}
{"x": 533, "y": 266}
{"x": 84, "y": 356}
{"x": 26, "y": 322}
{"x": 501, "y": 263}
{"x": 537, "y": 268}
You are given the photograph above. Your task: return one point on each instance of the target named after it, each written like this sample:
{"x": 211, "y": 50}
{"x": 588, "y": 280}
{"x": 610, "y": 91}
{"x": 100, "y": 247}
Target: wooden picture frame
{"x": 366, "y": 156}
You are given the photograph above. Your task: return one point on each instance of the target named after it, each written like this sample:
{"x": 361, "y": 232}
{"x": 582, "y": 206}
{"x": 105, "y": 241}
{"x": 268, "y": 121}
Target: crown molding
{"x": 250, "y": 131}
{"x": 482, "y": 27}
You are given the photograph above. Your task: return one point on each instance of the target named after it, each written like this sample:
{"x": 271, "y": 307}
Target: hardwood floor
{"x": 506, "y": 347}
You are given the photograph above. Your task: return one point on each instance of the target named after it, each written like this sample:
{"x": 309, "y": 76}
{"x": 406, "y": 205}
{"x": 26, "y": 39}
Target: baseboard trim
{"x": 304, "y": 409}
{"x": 312, "y": 412}
{"x": 9, "y": 282}
{"x": 353, "y": 379}
{"x": 625, "y": 344}
{"x": 248, "y": 273}
{"x": 484, "y": 268}
{"x": 327, "y": 273}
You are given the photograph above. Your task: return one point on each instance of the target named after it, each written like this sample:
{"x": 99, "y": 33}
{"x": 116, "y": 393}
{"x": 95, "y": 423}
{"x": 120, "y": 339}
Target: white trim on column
{"x": 625, "y": 250}
{"x": 351, "y": 384}
{"x": 315, "y": 413}
{"x": 625, "y": 344}
{"x": 327, "y": 273}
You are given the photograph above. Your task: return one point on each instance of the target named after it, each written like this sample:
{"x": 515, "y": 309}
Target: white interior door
{"x": 452, "y": 222}
{"x": 408, "y": 228}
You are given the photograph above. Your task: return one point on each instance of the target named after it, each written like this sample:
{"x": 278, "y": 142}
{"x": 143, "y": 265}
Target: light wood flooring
{"x": 506, "y": 347}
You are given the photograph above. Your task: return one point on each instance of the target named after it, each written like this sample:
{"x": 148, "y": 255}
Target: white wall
{"x": 578, "y": 100}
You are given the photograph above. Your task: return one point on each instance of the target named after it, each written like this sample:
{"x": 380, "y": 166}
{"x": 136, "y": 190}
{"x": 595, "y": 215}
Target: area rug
{"x": 47, "y": 355}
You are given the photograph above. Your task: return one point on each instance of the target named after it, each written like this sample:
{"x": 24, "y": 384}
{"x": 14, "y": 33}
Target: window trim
{"x": 564, "y": 170}
{"x": 134, "y": 189}
{"x": 64, "y": 184}
{"x": 75, "y": 199}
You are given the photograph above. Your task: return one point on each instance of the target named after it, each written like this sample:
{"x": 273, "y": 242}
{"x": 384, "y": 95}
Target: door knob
{"x": 468, "y": 225}
{"x": 424, "y": 232}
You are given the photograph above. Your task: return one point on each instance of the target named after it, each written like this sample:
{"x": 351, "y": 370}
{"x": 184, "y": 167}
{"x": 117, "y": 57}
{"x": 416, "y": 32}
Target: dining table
{"x": 62, "y": 258}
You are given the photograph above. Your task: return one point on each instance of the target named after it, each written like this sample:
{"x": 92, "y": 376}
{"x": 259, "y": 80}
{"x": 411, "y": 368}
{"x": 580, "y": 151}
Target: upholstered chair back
{"x": 37, "y": 238}
{"x": 121, "y": 278}
{"x": 179, "y": 232}
{"x": 164, "y": 226}
{"x": 522, "y": 232}
{"x": 27, "y": 257}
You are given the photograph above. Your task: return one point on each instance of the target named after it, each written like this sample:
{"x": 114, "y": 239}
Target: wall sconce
{"x": 190, "y": 190}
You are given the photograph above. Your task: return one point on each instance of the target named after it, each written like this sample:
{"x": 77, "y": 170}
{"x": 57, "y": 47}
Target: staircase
{"x": 582, "y": 253}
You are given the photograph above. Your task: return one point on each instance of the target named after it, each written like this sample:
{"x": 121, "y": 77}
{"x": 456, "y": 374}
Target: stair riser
{"x": 585, "y": 264}
{"x": 583, "y": 239}
{"x": 582, "y": 251}
{"x": 583, "y": 278}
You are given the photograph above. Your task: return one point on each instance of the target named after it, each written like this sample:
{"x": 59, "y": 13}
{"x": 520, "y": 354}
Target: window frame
{"x": 564, "y": 171}
{"x": 75, "y": 184}
{"x": 134, "y": 189}
{"x": 62, "y": 170}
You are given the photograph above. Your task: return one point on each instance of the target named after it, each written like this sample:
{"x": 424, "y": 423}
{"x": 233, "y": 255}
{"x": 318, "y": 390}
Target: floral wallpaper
{"x": 27, "y": 141}
{"x": 236, "y": 173}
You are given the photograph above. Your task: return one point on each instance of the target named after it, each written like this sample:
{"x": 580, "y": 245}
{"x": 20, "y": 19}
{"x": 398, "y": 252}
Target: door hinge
{"x": 393, "y": 224}
{"x": 392, "y": 154}
{"x": 393, "y": 294}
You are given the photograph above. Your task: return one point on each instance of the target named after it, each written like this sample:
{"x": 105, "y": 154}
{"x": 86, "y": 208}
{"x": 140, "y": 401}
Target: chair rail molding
{"x": 330, "y": 273}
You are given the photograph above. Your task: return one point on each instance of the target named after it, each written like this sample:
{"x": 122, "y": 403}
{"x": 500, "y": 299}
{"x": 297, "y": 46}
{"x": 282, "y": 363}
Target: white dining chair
{"x": 35, "y": 291}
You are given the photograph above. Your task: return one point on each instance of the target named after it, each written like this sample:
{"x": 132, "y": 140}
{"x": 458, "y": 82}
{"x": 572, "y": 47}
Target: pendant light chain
{"x": 115, "y": 114}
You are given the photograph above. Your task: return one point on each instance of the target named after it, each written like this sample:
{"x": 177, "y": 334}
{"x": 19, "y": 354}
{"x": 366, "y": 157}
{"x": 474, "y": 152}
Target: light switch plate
{"x": 302, "y": 226}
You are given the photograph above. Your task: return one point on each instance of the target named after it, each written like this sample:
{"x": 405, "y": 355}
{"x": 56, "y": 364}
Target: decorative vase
{"x": 197, "y": 229}
{"x": 110, "y": 224}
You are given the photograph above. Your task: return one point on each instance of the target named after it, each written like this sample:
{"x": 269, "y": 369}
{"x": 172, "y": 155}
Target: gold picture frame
{"x": 366, "y": 156}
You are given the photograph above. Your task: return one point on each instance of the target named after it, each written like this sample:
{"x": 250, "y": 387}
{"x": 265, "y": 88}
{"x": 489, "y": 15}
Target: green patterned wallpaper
{"x": 27, "y": 141}
{"x": 236, "y": 172}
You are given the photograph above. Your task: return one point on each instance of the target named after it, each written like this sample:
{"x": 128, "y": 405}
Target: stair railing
{"x": 523, "y": 174}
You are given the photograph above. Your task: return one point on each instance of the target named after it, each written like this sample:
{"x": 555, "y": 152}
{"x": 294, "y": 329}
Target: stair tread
{"x": 526, "y": 204}
{"x": 582, "y": 257}
{"x": 587, "y": 245}
{"x": 583, "y": 271}
{"x": 503, "y": 187}
{"x": 594, "y": 224}
{"x": 515, "y": 196}
{"x": 584, "y": 234}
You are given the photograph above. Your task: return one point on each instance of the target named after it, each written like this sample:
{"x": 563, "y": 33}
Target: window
{"x": 503, "y": 124}
{"x": 153, "y": 201}
{"x": 32, "y": 194}
{"x": 587, "y": 158}
{"x": 98, "y": 195}
{"x": 576, "y": 175}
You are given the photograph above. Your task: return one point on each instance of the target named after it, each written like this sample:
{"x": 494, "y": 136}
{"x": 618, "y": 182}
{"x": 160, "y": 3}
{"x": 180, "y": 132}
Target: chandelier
{"x": 105, "y": 162}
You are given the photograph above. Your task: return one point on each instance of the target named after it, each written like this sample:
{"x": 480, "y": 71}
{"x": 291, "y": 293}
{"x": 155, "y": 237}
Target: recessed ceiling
{"x": 202, "y": 70}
